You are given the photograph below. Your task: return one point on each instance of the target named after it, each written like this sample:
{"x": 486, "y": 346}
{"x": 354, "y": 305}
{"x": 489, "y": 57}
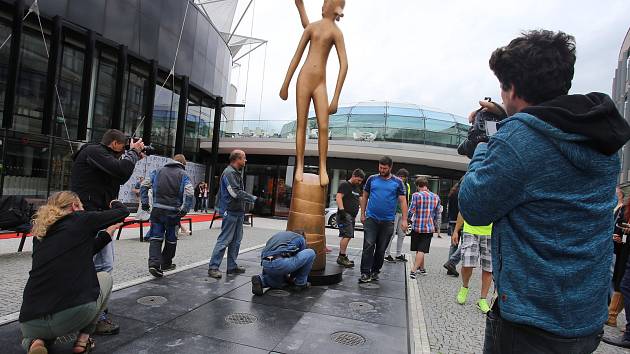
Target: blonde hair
{"x": 55, "y": 208}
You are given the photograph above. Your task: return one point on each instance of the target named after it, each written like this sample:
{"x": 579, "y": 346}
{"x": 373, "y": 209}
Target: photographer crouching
{"x": 546, "y": 180}
{"x": 98, "y": 172}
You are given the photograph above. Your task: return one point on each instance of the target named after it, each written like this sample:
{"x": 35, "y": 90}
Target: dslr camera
{"x": 148, "y": 149}
{"x": 484, "y": 126}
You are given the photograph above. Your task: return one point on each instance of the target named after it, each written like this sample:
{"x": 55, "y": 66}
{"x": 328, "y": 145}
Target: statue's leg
{"x": 303, "y": 101}
{"x": 320, "y": 101}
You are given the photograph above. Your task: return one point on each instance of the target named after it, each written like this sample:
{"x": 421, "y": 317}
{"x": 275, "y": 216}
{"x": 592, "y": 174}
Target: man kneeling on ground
{"x": 285, "y": 261}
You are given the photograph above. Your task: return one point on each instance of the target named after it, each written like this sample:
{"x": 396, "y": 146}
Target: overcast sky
{"x": 432, "y": 53}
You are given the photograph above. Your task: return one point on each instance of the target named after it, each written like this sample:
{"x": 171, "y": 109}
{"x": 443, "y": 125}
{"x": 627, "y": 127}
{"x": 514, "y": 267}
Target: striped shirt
{"x": 424, "y": 211}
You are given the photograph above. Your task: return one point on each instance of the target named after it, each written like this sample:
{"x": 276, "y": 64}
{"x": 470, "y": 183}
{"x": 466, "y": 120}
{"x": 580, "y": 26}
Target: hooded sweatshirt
{"x": 547, "y": 181}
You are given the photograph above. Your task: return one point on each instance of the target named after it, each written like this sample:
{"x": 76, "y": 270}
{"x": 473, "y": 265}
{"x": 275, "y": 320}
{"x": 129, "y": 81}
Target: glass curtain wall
{"x": 191, "y": 130}
{"x": 25, "y": 165}
{"x": 136, "y": 87}
{"x": 103, "y": 92}
{"x": 69, "y": 88}
{"x": 31, "y": 85}
{"x": 165, "y": 118}
{"x": 5, "y": 32}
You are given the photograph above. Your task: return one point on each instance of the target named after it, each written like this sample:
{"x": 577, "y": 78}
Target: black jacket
{"x": 63, "y": 274}
{"x": 98, "y": 173}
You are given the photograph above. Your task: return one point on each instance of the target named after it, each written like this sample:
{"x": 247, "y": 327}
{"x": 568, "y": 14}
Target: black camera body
{"x": 148, "y": 149}
{"x": 481, "y": 130}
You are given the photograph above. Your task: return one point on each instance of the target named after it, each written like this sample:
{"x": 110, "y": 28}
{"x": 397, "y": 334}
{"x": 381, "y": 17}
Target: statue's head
{"x": 333, "y": 9}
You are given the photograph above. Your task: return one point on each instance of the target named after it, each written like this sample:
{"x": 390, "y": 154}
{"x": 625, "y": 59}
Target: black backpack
{"x": 15, "y": 213}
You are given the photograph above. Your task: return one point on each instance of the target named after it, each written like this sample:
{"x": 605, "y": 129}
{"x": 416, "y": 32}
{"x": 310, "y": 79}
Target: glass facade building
{"x": 94, "y": 65}
{"x": 621, "y": 96}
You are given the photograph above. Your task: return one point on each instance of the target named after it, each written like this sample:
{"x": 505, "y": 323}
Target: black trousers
{"x": 376, "y": 235}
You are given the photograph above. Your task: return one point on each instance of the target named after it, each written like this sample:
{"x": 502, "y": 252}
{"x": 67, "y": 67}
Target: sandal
{"x": 37, "y": 350}
{"x": 86, "y": 345}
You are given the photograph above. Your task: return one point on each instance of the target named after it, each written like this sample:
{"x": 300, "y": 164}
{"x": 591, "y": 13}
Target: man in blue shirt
{"x": 547, "y": 181}
{"x": 285, "y": 259}
{"x": 381, "y": 194}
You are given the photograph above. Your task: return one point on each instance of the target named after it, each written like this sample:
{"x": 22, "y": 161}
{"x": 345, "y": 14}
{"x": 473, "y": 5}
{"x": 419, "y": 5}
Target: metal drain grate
{"x": 240, "y": 318}
{"x": 70, "y": 338}
{"x": 362, "y": 307}
{"x": 369, "y": 286}
{"x": 278, "y": 293}
{"x": 347, "y": 338}
{"x": 152, "y": 300}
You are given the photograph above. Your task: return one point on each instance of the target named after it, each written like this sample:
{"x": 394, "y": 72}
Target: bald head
{"x": 238, "y": 159}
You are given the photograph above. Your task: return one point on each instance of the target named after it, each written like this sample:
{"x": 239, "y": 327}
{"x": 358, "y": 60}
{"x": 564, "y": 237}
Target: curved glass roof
{"x": 389, "y": 121}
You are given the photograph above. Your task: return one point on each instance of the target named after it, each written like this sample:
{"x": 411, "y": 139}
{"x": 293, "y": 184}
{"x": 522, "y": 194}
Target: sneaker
{"x": 462, "y": 295}
{"x": 401, "y": 258}
{"x": 170, "y": 267}
{"x": 455, "y": 275}
{"x": 374, "y": 276}
{"x": 214, "y": 273}
{"x": 452, "y": 270}
{"x": 412, "y": 275}
{"x": 390, "y": 259}
{"x": 365, "y": 278}
{"x": 156, "y": 272}
{"x": 344, "y": 261}
{"x": 483, "y": 306}
{"x": 257, "y": 287}
{"x": 237, "y": 270}
{"x": 422, "y": 271}
{"x": 106, "y": 327}
{"x": 298, "y": 288}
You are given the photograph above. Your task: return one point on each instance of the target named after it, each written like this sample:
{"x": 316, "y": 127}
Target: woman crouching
{"x": 64, "y": 294}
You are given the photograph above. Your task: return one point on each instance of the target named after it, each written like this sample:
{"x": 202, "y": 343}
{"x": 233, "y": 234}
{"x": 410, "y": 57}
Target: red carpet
{"x": 195, "y": 218}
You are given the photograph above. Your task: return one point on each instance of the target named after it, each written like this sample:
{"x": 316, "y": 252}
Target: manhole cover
{"x": 70, "y": 338}
{"x": 240, "y": 318}
{"x": 152, "y": 300}
{"x": 361, "y": 306}
{"x": 206, "y": 280}
{"x": 278, "y": 293}
{"x": 369, "y": 286}
{"x": 347, "y": 338}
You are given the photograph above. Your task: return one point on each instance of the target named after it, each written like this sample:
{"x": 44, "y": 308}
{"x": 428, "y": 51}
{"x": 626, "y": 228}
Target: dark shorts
{"x": 346, "y": 226}
{"x": 421, "y": 242}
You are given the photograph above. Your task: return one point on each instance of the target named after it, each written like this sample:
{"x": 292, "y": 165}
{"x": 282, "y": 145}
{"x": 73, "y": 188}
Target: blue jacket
{"x": 550, "y": 194}
{"x": 285, "y": 242}
{"x": 172, "y": 189}
{"x": 232, "y": 195}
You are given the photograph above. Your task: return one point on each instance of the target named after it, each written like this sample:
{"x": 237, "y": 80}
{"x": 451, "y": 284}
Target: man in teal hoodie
{"x": 547, "y": 181}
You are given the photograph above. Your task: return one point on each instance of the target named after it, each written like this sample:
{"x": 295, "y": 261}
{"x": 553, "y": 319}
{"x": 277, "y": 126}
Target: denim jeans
{"x": 505, "y": 337}
{"x": 275, "y": 271}
{"x": 454, "y": 252}
{"x": 162, "y": 227}
{"x": 104, "y": 260}
{"x": 398, "y": 231}
{"x": 230, "y": 239}
{"x": 376, "y": 235}
{"x": 625, "y": 291}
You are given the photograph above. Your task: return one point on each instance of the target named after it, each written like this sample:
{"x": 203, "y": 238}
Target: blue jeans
{"x": 230, "y": 239}
{"x": 104, "y": 260}
{"x": 376, "y": 235}
{"x": 505, "y": 337}
{"x": 162, "y": 226}
{"x": 454, "y": 252}
{"x": 275, "y": 271}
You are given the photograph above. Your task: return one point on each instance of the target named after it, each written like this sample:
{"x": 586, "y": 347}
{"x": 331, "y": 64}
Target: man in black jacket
{"x": 98, "y": 172}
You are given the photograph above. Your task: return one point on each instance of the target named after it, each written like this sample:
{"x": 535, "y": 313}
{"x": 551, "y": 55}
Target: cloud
{"x": 426, "y": 52}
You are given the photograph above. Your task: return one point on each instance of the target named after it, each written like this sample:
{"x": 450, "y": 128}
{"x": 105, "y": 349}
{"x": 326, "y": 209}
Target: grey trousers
{"x": 401, "y": 236}
{"x": 80, "y": 318}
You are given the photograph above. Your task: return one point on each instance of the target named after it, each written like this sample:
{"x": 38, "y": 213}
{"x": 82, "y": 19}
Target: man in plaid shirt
{"x": 424, "y": 213}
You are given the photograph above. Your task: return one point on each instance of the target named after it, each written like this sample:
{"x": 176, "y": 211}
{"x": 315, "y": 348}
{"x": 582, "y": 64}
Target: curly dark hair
{"x": 538, "y": 64}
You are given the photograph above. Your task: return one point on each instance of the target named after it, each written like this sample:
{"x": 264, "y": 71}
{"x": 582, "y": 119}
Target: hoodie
{"x": 547, "y": 181}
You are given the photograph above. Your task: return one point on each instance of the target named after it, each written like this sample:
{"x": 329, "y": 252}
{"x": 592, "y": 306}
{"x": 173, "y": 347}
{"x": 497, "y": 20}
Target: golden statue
{"x": 311, "y": 82}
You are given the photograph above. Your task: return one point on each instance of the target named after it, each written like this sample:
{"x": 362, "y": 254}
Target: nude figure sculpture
{"x": 311, "y": 82}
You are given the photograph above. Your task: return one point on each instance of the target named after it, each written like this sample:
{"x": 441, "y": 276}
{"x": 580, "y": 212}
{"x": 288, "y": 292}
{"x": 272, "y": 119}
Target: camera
{"x": 483, "y": 128}
{"x": 148, "y": 149}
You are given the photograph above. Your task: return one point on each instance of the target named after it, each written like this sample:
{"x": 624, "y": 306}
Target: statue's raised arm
{"x": 303, "y": 15}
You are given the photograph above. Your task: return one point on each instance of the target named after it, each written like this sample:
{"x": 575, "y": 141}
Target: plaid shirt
{"x": 424, "y": 211}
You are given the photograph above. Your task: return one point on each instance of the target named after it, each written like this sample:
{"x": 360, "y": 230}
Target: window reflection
{"x": 69, "y": 88}
{"x": 135, "y": 98}
{"x": 5, "y": 32}
{"x": 103, "y": 100}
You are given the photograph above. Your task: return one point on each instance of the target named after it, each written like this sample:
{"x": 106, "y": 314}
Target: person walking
{"x": 403, "y": 174}
{"x": 286, "y": 261}
{"x": 454, "y": 253}
{"x": 232, "y": 197}
{"x": 204, "y": 197}
{"x": 381, "y": 194}
{"x": 423, "y": 212}
{"x": 348, "y": 201}
{"x": 172, "y": 199}
{"x": 621, "y": 252}
{"x": 198, "y": 196}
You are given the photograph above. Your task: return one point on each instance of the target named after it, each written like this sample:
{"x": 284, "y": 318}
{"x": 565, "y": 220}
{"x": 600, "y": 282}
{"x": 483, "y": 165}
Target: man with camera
{"x": 546, "y": 180}
{"x": 172, "y": 199}
{"x": 98, "y": 172}
{"x": 232, "y": 197}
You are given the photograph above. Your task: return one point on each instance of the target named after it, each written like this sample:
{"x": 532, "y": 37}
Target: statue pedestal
{"x": 308, "y": 202}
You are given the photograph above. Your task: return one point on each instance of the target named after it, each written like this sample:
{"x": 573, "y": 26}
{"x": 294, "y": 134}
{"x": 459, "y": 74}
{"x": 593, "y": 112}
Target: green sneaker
{"x": 462, "y": 295}
{"x": 483, "y": 306}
